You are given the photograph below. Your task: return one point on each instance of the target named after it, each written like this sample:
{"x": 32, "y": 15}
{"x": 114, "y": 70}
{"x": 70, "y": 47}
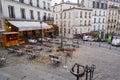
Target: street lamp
{"x": 41, "y": 31}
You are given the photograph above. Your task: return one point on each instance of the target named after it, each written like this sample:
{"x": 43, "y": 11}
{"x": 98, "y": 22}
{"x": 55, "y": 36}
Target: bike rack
{"x": 78, "y": 74}
{"x": 88, "y": 71}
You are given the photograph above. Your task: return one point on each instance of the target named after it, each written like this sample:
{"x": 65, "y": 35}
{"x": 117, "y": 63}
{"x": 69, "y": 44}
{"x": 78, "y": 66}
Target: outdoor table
{"x": 69, "y": 53}
{"x": 55, "y": 59}
{"x": 2, "y": 60}
{"x": 31, "y": 55}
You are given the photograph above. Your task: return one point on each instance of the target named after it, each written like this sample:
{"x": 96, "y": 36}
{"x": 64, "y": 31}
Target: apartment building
{"x": 67, "y": 17}
{"x": 112, "y": 16}
{"x": 99, "y": 19}
{"x": 1, "y": 20}
{"x": 118, "y": 24}
{"x": 25, "y": 15}
{"x": 77, "y": 21}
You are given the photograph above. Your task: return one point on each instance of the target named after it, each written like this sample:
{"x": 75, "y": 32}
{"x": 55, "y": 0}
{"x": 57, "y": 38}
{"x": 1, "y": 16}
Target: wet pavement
{"x": 107, "y": 65}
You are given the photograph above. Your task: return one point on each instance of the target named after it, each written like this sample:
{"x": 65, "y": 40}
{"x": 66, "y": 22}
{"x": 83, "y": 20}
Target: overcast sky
{"x": 58, "y": 1}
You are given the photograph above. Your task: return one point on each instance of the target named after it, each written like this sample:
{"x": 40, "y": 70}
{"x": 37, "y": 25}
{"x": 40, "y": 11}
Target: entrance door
{"x": 25, "y": 34}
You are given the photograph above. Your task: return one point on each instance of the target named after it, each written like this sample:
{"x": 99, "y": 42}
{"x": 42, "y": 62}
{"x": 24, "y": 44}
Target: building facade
{"x": 77, "y": 21}
{"x": 25, "y": 10}
{"x": 99, "y": 19}
{"x": 118, "y": 24}
{"x": 72, "y": 18}
{"x": 112, "y": 16}
{"x": 1, "y": 20}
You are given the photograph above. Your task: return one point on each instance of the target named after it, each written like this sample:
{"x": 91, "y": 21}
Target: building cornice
{"x": 70, "y": 3}
{"x": 78, "y": 9}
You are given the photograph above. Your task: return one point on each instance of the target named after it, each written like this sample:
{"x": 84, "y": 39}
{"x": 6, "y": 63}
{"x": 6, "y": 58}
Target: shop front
{"x": 27, "y": 29}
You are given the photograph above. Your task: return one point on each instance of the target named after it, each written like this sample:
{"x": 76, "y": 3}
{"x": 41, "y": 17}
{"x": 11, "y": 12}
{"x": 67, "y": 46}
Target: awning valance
{"x": 29, "y": 25}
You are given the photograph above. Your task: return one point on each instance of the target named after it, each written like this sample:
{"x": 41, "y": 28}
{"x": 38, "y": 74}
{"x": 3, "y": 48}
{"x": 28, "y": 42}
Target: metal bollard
{"x": 110, "y": 47}
{"x": 89, "y": 70}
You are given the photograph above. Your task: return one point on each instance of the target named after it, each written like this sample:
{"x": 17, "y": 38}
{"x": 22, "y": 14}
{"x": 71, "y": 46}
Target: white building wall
{"x": 112, "y": 14}
{"x": 1, "y": 19}
{"x": 17, "y": 5}
{"x": 96, "y": 25}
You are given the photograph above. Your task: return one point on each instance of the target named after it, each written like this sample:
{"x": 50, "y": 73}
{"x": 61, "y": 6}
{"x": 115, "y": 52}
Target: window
{"x": 76, "y": 14}
{"x": 89, "y": 23}
{"x": 56, "y": 16}
{"x": 38, "y": 13}
{"x": 93, "y": 4}
{"x": 103, "y": 20}
{"x": 31, "y": 14}
{"x": 85, "y": 14}
{"x": 69, "y": 24}
{"x": 94, "y": 27}
{"x": 81, "y": 22}
{"x": 89, "y": 15}
{"x": 95, "y": 13}
{"x": 94, "y": 20}
{"x": 64, "y": 23}
{"x": 11, "y": 11}
{"x": 104, "y": 13}
{"x": 81, "y": 14}
{"x": 60, "y": 15}
{"x": 85, "y": 23}
{"x": 44, "y": 5}
{"x": 31, "y": 2}
{"x": 76, "y": 31}
{"x": 103, "y": 27}
{"x": 0, "y": 24}
{"x": 99, "y": 20}
{"x": 64, "y": 15}
{"x": 99, "y": 13}
{"x": 48, "y": 6}
{"x": 68, "y": 31}
{"x": 105, "y": 6}
{"x": 48, "y": 16}
{"x": 98, "y": 4}
{"x": 44, "y": 17}
{"x": 98, "y": 27}
{"x": 38, "y": 3}
{"x": 102, "y": 5}
{"x": 22, "y": 13}
{"x": 69, "y": 15}
{"x": 22, "y": 1}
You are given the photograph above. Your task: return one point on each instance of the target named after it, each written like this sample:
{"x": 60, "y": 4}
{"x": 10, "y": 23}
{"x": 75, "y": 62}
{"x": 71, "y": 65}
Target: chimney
{"x": 62, "y": 1}
{"x": 82, "y": 2}
{"x": 78, "y": 1}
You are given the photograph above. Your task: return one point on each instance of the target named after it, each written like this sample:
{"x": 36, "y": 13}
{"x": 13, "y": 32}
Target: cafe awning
{"x": 29, "y": 25}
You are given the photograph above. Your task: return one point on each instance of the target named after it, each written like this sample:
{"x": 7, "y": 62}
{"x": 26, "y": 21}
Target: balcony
{"x": 112, "y": 6}
{"x": 49, "y": 19}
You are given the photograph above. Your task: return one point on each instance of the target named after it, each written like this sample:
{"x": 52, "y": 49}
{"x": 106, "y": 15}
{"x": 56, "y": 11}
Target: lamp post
{"x": 61, "y": 45}
{"x": 41, "y": 31}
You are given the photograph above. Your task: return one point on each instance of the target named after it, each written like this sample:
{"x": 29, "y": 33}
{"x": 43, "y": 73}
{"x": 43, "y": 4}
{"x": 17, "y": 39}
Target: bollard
{"x": 99, "y": 44}
{"x": 110, "y": 47}
{"x": 89, "y": 71}
{"x": 65, "y": 66}
{"x": 90, "y": 43}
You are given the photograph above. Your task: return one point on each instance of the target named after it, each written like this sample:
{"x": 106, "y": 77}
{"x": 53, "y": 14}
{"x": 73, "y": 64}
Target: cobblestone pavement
{"x": 107, "y": 65}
